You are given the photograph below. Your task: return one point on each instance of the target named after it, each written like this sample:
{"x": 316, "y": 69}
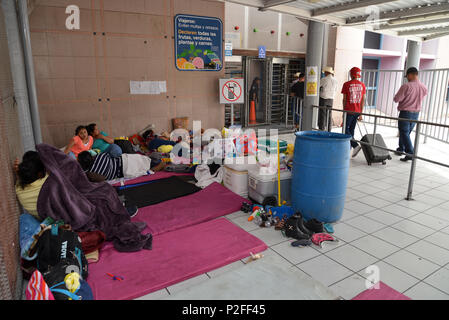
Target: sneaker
{"x": 314, "y": 225}
{"x": 406, "y": 158}
{"x": 132, "y": 210}
{"x": 356, "y": 151}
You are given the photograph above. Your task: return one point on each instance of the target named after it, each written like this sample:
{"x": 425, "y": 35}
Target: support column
{"x": 315, "y": 36}
{"x": 29, "y": 67}
{"x": 413, "y": 54}
{"x": 18, "y": 73}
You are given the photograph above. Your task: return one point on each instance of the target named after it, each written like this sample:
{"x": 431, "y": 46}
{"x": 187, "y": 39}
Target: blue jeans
{"x": 351, "y": 122}
{"x": 405, "y": 128}
{"x": 114, "y": 150}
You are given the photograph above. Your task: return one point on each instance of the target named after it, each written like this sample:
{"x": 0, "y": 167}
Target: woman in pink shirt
{"x": 79, "y": 143}
{"x": 409, "y": 99}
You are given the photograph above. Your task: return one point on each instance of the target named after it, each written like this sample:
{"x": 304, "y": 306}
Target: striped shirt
{"x": 108, "y": 167}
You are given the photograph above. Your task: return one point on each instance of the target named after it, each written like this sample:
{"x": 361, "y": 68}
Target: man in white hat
{"x": 328, "y": 88}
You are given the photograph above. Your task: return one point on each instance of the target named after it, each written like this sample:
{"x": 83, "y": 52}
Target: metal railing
{"x": 419, "y": 125}
{"x": 382, "y": 86}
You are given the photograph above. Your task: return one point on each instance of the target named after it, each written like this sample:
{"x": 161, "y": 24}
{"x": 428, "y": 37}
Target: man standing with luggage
{"x": 328, "y": 87}
{"x": 409, "y": 99}
{"x": 354, "y": 92}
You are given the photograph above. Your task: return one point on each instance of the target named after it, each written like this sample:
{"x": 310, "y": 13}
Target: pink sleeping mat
{"x": 176, "y": 256}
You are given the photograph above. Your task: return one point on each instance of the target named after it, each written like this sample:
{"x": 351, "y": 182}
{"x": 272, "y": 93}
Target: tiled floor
{"x": 407, "y": 240}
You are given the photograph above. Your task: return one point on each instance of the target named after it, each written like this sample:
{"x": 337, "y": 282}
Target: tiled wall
{"x": 83, "y": 75}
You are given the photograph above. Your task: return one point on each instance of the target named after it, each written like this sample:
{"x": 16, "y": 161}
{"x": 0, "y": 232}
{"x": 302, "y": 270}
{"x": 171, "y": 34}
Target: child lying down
{"x": 104, "y": 167}
{"x": 60, "y": 190}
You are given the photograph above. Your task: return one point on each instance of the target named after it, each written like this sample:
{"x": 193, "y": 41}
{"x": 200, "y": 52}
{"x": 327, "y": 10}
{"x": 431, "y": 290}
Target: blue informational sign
{"x": 262, "y": 52}
{"x": 228, "y": 49}
{"x": 198, "y": 43}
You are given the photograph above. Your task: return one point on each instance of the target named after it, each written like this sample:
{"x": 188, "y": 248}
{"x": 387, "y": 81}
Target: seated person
{"x": 51, "y": 185}
{"x": 31, "y": 175}
{"x": 103, "y": 142}
{"x": 79, "y": 143}
{"x": 104, "y": 167}
{"x": 161, "y": 140}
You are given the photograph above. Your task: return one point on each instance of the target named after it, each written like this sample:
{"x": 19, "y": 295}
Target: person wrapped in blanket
{"x": 104, "y": 167}
{"x": 51, "y": 184}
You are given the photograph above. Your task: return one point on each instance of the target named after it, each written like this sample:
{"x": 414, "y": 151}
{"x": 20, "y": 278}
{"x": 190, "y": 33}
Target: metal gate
{"x": 382, "y": 85}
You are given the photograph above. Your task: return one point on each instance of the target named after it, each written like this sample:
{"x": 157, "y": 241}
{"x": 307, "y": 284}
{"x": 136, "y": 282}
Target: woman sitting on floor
{"x": 50, "y": 184}
{"x": 82, "y": 141}
{"x": 104, "y": 167}
{"x": 103, "y": 142}
{"x": 31, "y": 175}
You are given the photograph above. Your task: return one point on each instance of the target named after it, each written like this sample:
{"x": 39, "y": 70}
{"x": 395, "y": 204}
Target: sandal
{"x": 280, "y": 224}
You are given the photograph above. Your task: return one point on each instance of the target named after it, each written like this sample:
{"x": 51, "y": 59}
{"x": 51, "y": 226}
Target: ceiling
{"x": 414, "y": 19}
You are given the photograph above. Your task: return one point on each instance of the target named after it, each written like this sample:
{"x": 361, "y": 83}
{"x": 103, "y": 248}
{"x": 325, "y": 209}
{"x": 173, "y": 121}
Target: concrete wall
{"x": 118, "y": 41}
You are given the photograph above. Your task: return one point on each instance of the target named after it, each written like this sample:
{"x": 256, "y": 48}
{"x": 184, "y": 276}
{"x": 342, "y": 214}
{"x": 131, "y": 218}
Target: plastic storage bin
{"x": 271, "y": 146}
{"x": 262, "y": 186}
{"x": 236, "y": 181}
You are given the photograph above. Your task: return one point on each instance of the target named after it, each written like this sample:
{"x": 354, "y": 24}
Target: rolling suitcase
{"x": 373, "y": 154}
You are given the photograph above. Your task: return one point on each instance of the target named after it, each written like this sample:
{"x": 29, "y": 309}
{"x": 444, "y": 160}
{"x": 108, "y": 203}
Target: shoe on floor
{"x": 356, "y": 151}
{"x": 398, "y": 152}
{"x": 314, "y": 225}
{"x": 406, "y": 158}
{"x": 132, "y": 210}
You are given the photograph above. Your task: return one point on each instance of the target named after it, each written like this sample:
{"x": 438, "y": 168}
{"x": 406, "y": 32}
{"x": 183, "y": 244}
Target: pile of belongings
{"x": 55, "y": 259}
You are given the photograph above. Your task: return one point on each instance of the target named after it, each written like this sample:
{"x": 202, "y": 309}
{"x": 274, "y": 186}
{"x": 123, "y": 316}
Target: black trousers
{"x": 322, "y": 114}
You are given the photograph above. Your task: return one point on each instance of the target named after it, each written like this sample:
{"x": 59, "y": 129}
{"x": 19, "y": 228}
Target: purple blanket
{"x": 69, "y": 196}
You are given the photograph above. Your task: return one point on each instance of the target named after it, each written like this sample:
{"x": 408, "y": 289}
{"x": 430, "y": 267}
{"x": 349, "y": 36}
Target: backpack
{"x": 60, "y": 247}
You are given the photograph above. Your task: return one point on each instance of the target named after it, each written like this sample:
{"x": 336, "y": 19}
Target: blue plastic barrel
{"x": 320, "y": 174}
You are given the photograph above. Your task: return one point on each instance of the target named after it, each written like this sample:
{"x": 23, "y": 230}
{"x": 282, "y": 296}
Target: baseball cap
{"x": 356, "y": 72}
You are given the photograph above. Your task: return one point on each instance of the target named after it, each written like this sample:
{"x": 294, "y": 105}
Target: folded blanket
{"x": 69, "y": 196}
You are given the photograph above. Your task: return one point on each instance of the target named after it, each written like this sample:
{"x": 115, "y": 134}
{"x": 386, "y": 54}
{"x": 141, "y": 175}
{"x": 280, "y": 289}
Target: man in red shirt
{"x": 354, "y": 92}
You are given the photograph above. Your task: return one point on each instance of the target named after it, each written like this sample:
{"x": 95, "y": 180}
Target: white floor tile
{"x": 439, "y": 238}
{"x": 423, "y": 291}
{"x": 400, "y": 211}
{"x": 228, "y": 268}
{"x": 350, "y": 287}
{"x": 416, "y": 205}
{"x": 392, "y": 277}
{"x": 187, "y": 283}
{"x": 439, "y": 212}
{"x": 437, "y": 194}
{"x": 295, "y": 254}
{"x": 346, "y": 232}
{"x": 384, "y": 217}
{"x": 413, "y": 228}
{"x": 375, "y": 201}
{"x": 395, "y": 237}
{"x": 237, "y": 214}
{"x": 389, "y": 196}
{"x": 439, "y": 280}
{"x": 430, "y": 221}
{"x": 246, "y": 225}
{"x": 430, "y": 200}
{"x": 324, "y": 270}
{"x": 368, "y": 189}
{"x": 365, "y": 224}
{"x": 269, "y": 235}
{"x": 375, "y": 246}
{"x": 160, "y": 294}
{"x": 412, "y": 264}
{"x": 351, "y": 257}
{"x": 347, "y": 214}
{"x": 358, "y": 207}
{"x": 430, "y": 252}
